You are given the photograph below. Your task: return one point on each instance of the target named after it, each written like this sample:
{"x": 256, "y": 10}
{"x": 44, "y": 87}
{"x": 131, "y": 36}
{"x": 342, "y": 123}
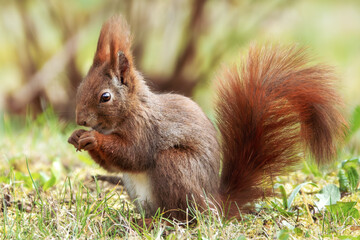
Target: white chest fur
{"x": 139, "y": 189}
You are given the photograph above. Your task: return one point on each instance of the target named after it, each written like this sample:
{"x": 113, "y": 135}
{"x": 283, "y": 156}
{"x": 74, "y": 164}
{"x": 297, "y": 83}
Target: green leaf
{"x": 298, "y": 231}
{"x": 343, "y": 181}
{"x": 329, "y": 195}
{"x": 343, "y": 210}
{"x": 283, "y": 194}
{"x": 51, "y": 182}
{"x": 348, "y": 175}
{"x": 283, "y": 234}
{"x": 43, "y": 177}
{"x": 341, "y": 206}
{"x": 350, "y": 162}
{"x": 281, "y": 210}
{"x": 19, "y": 176}
{"x": 296, "y": 191}
{"x": 353, "y": 177}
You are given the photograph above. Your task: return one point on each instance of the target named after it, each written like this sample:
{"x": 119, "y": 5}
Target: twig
{"x": 47, "y": 73}
{"x": 110, "y": 179}
{"x": 306, "y": 206}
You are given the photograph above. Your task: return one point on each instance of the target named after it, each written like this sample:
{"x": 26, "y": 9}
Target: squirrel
{"x": 271, "y": 110}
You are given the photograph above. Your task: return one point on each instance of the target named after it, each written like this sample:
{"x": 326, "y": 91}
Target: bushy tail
{"x": 270, "y": 110}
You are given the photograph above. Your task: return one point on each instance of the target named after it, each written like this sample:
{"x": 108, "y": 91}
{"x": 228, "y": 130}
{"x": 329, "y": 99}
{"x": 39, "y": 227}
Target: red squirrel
{"x": 270, "y": 110}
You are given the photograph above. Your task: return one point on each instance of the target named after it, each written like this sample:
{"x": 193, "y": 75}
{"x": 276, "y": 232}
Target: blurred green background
{"x": 46, "y": 46}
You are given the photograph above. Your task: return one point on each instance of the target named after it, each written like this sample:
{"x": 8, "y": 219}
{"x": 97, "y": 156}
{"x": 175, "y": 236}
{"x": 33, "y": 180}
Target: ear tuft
{"x": 103, "y": 47}
{"x": 114, "y": 37}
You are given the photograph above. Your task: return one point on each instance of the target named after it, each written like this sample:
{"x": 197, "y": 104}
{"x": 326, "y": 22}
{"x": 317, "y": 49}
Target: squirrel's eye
{"x": 106, "y": 96}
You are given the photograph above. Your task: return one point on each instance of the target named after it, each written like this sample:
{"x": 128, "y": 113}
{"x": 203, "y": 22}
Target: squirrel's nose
{"x": 81, "y": 121}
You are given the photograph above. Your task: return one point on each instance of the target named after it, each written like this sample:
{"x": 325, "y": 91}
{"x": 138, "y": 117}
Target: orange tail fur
{"x": 270, "y": 109}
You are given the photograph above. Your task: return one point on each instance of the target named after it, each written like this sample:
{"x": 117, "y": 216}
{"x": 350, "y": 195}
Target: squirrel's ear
{"x": 120, "y": 44}
{"x": 103, "y": 47}
{"x": 114, "y": 38}
{"x": 120, "y": 64}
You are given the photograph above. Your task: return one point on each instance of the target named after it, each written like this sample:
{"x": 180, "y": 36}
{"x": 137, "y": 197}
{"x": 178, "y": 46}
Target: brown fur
{"x": 274, "y": 105}
{"x": 167, "y": 148}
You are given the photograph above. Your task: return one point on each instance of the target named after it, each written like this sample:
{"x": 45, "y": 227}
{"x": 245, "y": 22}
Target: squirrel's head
{"x": 105, "y": 95}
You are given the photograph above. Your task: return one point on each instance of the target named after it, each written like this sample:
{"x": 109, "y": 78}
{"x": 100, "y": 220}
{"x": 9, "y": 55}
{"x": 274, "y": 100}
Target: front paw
{"x": 87, "y": 141}
{"x": 74, "y": 138}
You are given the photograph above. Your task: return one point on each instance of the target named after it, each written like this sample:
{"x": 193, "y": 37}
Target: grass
{"x": 47, "y": 191}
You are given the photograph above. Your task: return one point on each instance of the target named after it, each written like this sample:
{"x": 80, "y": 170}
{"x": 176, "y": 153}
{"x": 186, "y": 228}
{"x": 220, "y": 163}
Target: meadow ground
{"x": 48, "y": 191}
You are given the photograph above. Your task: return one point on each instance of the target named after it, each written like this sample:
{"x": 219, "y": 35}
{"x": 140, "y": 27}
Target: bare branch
{"x": 46, "y": 74}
